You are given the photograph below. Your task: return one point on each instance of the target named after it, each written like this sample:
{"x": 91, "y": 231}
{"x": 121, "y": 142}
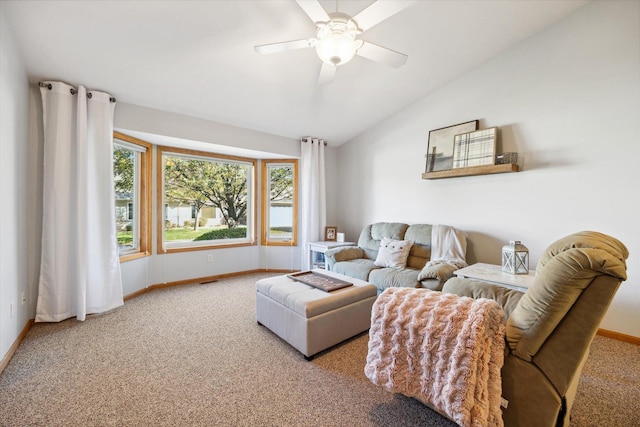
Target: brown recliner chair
{"x": 551, "y": 326}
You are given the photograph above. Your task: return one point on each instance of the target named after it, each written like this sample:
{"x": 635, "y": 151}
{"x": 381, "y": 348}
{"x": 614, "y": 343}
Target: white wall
{"x": 149, "y": 120}
{"x": 15, "y": 215}
{"x": 568, "y": 101}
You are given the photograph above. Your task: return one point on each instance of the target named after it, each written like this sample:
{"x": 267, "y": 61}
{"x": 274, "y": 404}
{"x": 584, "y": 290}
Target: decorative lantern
{"x": 515, "y": 258}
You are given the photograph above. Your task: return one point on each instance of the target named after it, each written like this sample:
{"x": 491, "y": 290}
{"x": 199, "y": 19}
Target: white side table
{"x": 314, "y": 248}
{"x": 494, "y": 274}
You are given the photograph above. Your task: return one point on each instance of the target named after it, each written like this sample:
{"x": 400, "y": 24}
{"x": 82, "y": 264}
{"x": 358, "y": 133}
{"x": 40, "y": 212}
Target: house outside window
{"x": 208, "y": 200}
{"x": 132, "y": 182}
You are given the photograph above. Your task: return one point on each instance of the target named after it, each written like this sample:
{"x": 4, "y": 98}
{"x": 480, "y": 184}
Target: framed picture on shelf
{"x": 440, "y": 145}
{"x": 330, "y": 233}
{"x": 475, "y": 148}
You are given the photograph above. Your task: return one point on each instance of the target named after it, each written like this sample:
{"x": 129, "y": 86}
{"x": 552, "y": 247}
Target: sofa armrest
{"x": 342, "y": 253}
{"x": 442, "y": 272}
{"x": 507, "y": 298}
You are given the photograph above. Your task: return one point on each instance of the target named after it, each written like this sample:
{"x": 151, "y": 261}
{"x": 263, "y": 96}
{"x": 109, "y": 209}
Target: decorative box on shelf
{"x": 507, "y": 158}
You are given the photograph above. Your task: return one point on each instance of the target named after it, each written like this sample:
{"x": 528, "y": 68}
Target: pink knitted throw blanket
{"x": 442, "y": 349}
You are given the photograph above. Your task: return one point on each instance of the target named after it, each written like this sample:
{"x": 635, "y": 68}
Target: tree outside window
{"x": 279, "y": 202}
{"x": 208, "y": 200}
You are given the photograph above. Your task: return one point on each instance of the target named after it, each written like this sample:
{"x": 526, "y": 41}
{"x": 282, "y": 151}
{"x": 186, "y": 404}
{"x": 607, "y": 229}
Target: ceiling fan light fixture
{"x": 336, "y": 43}
{"x": 337, "y": 48}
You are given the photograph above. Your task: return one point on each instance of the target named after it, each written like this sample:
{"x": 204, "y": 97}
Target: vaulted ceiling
{"x": 197, "y": 57}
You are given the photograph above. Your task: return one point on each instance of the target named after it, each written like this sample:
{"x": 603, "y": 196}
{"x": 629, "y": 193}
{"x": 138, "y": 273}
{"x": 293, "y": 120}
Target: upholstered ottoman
{"x": 310, "y": 319}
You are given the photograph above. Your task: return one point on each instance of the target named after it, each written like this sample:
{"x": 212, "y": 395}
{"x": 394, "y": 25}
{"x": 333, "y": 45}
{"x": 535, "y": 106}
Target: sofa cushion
{"x": 385, "y": 278}
{"x": 393, "y": 253}
{"x": 372, "y": 234}
{"x": 420, "y": 235}
{"x": 358, "y": 268}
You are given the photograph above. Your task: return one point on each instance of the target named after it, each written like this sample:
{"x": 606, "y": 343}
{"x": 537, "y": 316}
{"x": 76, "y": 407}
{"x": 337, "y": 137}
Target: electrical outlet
{"x": 209, "y": 258}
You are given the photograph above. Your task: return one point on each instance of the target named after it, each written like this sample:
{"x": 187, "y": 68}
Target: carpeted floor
{"x": 194, "y": 356}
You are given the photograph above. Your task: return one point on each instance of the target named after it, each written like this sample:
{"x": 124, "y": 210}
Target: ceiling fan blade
{"x": 382, "y": 54}
{"x": 379, "y": 11}
{"x": 283, "y": 46}
{"x": 314, "y": 10}
{"x": 326, "y": 73}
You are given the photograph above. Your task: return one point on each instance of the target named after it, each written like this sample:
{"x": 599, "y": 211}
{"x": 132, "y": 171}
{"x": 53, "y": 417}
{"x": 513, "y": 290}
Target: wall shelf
{"x": 471, "y": 171}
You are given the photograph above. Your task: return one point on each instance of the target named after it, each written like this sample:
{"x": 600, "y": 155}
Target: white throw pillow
{"x": 393, "y": 253}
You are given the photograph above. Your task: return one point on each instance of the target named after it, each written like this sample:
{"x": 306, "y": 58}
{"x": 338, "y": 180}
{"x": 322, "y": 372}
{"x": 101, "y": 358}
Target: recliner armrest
{"x": 507, "y": 298}
{"x": 342, "y": 253}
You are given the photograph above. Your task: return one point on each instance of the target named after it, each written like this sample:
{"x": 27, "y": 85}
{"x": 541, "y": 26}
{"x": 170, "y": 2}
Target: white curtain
{"x": 312, "y": 195}
{"x": 80, "y": 268}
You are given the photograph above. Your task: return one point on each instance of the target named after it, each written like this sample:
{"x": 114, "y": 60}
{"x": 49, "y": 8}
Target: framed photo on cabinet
{"x": 330, "y": 234}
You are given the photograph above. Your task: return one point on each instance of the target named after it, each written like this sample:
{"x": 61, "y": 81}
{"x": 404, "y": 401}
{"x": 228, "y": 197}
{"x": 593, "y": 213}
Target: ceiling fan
{"x": 336, "y": 41}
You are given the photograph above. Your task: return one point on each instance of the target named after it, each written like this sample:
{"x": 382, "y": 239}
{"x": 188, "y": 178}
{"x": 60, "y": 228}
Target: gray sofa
{"x": 358, "y": 261}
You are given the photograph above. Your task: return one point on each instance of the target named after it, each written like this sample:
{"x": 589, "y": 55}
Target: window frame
{"x": 160, "y": 199}
{"x": 265, "y": 203}
{"x": 143, "y": 183}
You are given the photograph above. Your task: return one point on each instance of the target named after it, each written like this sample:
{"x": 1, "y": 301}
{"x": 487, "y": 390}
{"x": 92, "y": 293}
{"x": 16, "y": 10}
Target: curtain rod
{"x": 72, "y": 90}
{"x": 311, "y": 140}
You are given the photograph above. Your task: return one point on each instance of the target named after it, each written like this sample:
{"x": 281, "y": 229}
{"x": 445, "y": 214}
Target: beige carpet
{"x": 194, "y": 356}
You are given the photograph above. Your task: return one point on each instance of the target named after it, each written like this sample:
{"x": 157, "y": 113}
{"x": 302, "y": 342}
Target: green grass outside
{"x": 172, "y": 234}
{"x": 125, "y": 238}
{"x": 186, "y": 234}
